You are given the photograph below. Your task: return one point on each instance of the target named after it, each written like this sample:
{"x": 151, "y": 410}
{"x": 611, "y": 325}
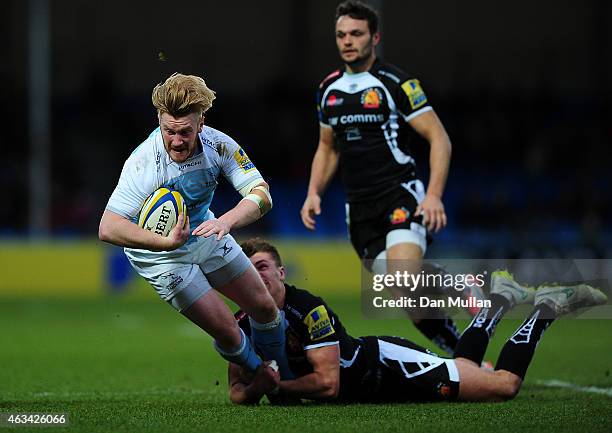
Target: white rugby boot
{"x": 565, "y": 299}
{"x": 502, "y": 283}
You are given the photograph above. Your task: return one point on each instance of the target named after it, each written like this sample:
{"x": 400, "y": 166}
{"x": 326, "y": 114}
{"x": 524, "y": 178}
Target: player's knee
{"x": 264, "y": 309}
{"x": 332, "y": 388}
{"x": 510, "y": 385}
{"x": 330, "y": 393}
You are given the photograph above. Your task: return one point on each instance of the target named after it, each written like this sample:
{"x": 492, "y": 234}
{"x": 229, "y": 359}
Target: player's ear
{"x": 281, "y": 273}
{"x": 201, "y": 124}
{"x": 376, "y": 38}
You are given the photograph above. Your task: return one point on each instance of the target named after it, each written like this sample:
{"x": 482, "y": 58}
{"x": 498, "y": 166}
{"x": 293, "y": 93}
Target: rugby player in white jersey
{"x": 183, "y": 154}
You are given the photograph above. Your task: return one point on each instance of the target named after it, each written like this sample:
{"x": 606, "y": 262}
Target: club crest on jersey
{"x": 371, "y": 98}
{"x": 415, "y": 93}
{"x": 333, "y": 101}
{"x": 399, "y": 215}
{"x": 243, "y": 160}
{"x": 444, "y": 390}
{"x": 318, "y": 323}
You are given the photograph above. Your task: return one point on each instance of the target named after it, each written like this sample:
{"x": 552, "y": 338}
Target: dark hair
{"x": 359, "y": 11}
{"x": 259, "y": 245}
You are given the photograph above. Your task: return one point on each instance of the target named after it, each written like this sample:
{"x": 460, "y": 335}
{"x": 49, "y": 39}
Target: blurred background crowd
{"x": 525, "y": 95}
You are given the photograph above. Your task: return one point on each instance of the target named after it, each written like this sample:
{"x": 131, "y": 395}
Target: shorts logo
{"x": 371, "y": 98}
{"x": 415, "y": 94}
{"x": 243, "y": 160}
{"x": 318, "y": 323}
{"x": 332, "y": 101}
{"x": 399, "y": 215}
{"x": 172, "y": 280}
{"x": 226, "y": 249}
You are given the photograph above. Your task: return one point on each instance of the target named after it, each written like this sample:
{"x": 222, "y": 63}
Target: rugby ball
{"x": 160, "y": 211}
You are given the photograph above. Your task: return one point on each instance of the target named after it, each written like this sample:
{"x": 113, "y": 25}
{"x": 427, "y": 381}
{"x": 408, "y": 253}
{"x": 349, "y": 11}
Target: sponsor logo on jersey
{"x": 243, "y": 160}
{"x": 189, "y": 165}
{"x": 399, "y": 215}
{"x": 357, "y": 118}
{"x": 415, "y": 94}
{"x": 353, "y": 133}
{"x": 371, "y": 98}
{"x": 158, "y": 160}
{"x": 318, "y": 323}
{"x": 333, "y": 101}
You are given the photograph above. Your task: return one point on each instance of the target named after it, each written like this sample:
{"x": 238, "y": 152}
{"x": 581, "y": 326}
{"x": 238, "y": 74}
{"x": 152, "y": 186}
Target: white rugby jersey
{"x": 150, "y": 167}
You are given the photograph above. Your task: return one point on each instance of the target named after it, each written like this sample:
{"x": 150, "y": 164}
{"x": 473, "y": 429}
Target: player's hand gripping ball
{"x": 161, "y": 210}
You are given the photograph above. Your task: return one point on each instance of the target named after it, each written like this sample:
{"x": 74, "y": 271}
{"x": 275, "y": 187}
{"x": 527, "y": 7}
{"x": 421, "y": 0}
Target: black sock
{"x": 518, "y": 351}
{"x": 475, "y": 339}
{"x": 442, "y": 332}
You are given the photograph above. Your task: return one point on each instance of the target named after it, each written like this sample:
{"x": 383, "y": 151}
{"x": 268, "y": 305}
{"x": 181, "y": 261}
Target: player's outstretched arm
{"x": 120, "y": 231}
{"x": 253, "y": 206}
{"x": 324, "y": 382}
{"x": 429, "y": 126}
{"x": 250, "y": 390}
{"x": 324, "y": 165}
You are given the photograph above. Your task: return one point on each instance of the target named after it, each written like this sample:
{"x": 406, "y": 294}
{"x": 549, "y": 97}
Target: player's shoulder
{"x": 148, "y": 153}
{"x": 390, "y": 73}
{"x": 405, "y": 85}
{"x": 330, "y": 78}
{"x": 149, "y": 144}
{"x": 211, "y": 136}
{"x": 300, "y": 296}
{"x": 217, "y": 141}
{"x": 301, "y": 302}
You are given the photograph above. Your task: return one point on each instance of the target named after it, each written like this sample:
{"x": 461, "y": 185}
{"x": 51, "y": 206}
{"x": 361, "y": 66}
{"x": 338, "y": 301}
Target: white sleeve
{"x": 237, "y": 167}
{"x": 137, "y": 181}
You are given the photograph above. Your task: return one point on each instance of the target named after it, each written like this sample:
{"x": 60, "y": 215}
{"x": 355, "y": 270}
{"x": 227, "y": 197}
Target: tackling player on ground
{"x": 199, "y": 254}
{"x": 330, "y": 364}
{"x": 370, "y": 114}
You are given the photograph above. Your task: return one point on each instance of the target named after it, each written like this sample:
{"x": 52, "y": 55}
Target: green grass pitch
{"x": 135, "y": 365}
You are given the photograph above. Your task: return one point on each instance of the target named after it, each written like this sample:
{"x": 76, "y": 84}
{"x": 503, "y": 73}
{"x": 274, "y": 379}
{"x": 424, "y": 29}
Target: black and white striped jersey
{"x": 311, "y": 323}
{"x": 369, "y": 114}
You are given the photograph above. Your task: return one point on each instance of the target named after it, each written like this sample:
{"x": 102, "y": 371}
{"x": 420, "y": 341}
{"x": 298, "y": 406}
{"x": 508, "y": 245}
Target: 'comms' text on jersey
{"x": 369, "y": 113}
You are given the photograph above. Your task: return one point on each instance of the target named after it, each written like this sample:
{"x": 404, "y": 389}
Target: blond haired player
{"x": 183, "y": 154}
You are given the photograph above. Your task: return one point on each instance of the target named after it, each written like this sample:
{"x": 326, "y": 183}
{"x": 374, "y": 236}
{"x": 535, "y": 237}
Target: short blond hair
{"x": 181, "y": 95}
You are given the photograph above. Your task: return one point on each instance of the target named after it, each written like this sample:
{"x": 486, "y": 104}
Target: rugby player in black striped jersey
{"x": 370, "y": 114}
{"x": 329, "y": 364}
